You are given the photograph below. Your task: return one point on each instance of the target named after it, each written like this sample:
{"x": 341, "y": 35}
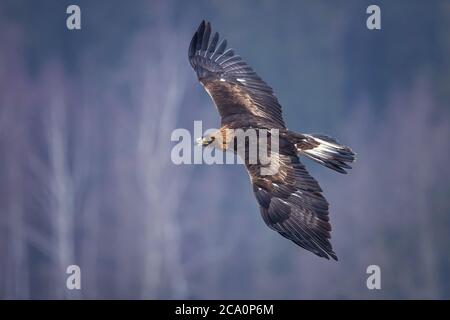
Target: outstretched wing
{"x": 230, "y": 81}
{"x": 291, "y": 203}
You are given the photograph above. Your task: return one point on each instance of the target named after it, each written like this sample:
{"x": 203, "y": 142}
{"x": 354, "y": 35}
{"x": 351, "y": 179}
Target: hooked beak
{"x": 199, "y": 140}
{"x": 203, "y": 141}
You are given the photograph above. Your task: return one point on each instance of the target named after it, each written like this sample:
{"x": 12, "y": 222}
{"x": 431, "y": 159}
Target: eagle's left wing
{"x": 235, "y": 88}
{"x": 291, "y": 203}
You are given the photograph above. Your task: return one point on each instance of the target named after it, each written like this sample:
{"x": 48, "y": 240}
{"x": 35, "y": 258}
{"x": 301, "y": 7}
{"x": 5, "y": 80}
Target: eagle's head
{"x": 218, "y": 139}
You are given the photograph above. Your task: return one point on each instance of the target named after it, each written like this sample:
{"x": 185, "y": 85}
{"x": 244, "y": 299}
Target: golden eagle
{"x": 291, "y": 201}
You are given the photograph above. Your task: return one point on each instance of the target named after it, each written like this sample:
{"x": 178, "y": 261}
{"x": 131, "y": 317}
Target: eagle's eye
{"x": 209, "y": 140}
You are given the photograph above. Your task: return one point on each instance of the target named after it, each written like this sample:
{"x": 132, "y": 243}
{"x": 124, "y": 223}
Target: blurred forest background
{"x": 86, "y": 176}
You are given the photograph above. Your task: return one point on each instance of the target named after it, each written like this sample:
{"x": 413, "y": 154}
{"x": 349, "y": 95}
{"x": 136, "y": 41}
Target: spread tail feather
{"x": 326, "y": 151}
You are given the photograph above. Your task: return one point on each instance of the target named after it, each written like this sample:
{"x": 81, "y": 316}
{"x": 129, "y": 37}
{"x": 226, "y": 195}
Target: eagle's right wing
{"x": 291, "y": 203}
{"x": 230, "y": 81}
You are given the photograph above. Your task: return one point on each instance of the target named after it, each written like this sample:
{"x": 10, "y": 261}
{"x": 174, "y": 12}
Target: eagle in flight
{"x": 290, "y": 200}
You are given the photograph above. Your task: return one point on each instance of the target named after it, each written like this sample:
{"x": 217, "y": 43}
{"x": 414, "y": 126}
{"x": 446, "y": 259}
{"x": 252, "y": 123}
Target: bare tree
{"x": 14, "y": 265}
{"x": 160, "y": 100}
